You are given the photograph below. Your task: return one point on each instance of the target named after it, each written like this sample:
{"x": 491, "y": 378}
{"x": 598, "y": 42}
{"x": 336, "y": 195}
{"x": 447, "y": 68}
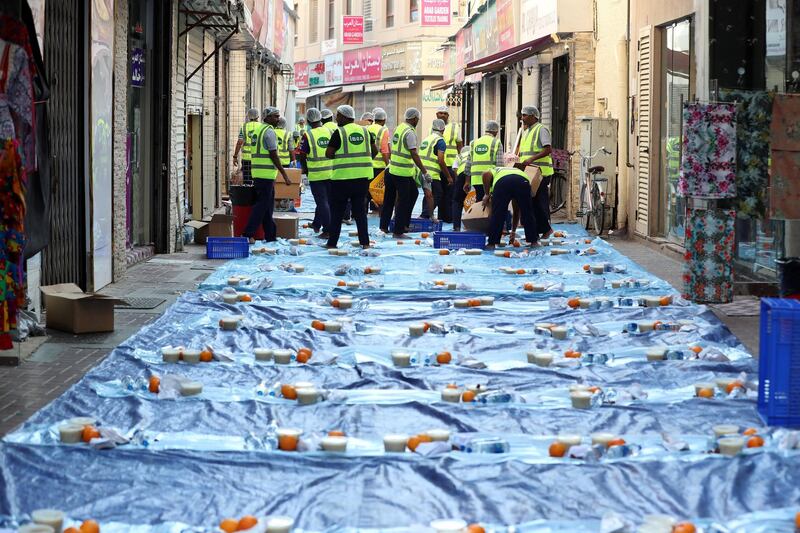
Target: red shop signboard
{"x": 301, "y": 74}
{"x": 363, "y": 64}
{"x": 352, "y": 29}
{"x": 435, "y": 13}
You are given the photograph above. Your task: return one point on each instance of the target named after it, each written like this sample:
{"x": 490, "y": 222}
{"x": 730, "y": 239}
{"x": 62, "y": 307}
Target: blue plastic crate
{"x": 455, "y": 240}
{"x": 419, "y": 224}
{"x": 779, "y": 362}
{"x": 227, "y": 247}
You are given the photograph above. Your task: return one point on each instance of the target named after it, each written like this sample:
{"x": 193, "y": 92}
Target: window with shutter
{"x": 313, "y": 21}
{"x": 644, "y": 76}
{"x": 367, "y": 15}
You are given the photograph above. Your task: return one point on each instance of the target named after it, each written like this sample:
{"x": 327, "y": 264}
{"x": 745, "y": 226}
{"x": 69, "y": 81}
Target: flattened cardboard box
{"x": 74, "y": 311}
{"x": 292, "y": 192}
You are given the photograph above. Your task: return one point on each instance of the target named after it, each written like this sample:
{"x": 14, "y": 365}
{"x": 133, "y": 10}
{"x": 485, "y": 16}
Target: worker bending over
{"x": 509, "y": 185}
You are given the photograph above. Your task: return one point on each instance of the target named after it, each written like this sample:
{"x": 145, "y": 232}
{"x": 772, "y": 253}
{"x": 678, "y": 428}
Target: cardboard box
{"x": 535, "y": 175}
{"x": 291, "y": 192}
{"x": 200, "y": 230}
{"x": 476, "y": 218}
{"x": 216, "y": 226}
{"x": 72, "y": 310}
{"x": 287, "y": 224}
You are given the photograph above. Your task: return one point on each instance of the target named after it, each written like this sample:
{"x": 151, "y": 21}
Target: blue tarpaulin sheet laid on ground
{"x": 192, "y": 460}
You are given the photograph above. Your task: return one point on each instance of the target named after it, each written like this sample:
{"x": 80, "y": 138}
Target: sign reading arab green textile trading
{"x": 316, "y": 74}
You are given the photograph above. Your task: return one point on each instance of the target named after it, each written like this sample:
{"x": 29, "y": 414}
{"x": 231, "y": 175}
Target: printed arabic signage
{"x": 334, "y": 69}
{"x": 484, "y": 33}
{"x": 394, "y": 60}
{"x": 328, "y": 46}
{"x": 505, "y": 24}
{"x": 352, "y": 29}
{"x": 301, "y": 75}
{"x": 316, "y": 74}
{"x": 363, "y": 64}
{"x": 435, "y": 13}
{"x": 137, "y": 67}
{"x": 537, "y": 19}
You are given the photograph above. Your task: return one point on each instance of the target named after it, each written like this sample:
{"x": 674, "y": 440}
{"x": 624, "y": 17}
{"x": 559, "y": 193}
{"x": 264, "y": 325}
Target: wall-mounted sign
{"x": 137, "y": 67}
{"x": 316, "y": 74}
{"x": 334, "y": 69}
{"x": 301, "y": 75}
{"x": 363, "y": 64}
{"x": 435, "y": 13}
{"x": 352, "y": 29}
{"x": 505, "y": 24}
{"x": 537, "y": 19}
{"x": 328, "y": 47}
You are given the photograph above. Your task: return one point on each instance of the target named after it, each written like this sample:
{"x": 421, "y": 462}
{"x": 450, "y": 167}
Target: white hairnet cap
{"x": 411, "y": 113}
{"x": 313, "y": 114}
{"x": 492, "y": 126}
{"x": 530, "y": 110}
{"x": 438, "y": 125}
{"x": 252, "y": 113}
{"x": 346, "y": 111}
{"x": 327, "y": 113}
{"x": 442, "y": 109}
{"x": 281, "y": 122}
{"x": 271, "y": 111}
{"x": 367, "y": 116}
{"x": 379, "y": 113}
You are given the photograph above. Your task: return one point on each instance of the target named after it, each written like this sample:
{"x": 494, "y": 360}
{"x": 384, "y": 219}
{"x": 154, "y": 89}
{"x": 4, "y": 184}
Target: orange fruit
{"x": 302, "y": 241}
{"x": 90, "y": 526}
{"x": 71, "y": 530}
{"x": 336, "y": 433}
{"x": 755, "y": 442}
{"x": 246, "y": 523}
{"x": 418, "y": 241}
{"x": 303, "y": 355}
{"x": 426, "y": 327}
{"x": 558, "y": 449}
{"x": 229, "y": 525}
{"x": 468, "y": 396}
{"x": 424, "y": 235}
{"x": 520, "y": 271}
{"x": 594, "y": 389}
{"x": 399, "y": 243}
{"x": 335, "y": 302}
{"x": 797, "y": 520}
{"x": 656, "y": 324}
{"x": 705, "y": 393}
{"x": 412, "y": 443}
{"x": 444, "y": 252}
{"x": 438, "y": 283}
{"x": 516, "y": 244}
{"x": 616, "y": 442}
{"x": 587, "y": 241}
{"x": 696, "y": 349}
{"x": 684, "y": 527}
{"x": 245, "y": 298}
{"x": 735, "y": 385}
{"x": 475, "y": 528}
{"x": 506, "y": 254}
{"x": 367, "y": 270}
{"x": 750, "y": 431}
{"x": 528, "y": 286}
{"x": 288, "y": 392}
{"x": 665, "y": 300}
{"x": 220, "y": 322}
{"x": 206, "y": 356}
{"x": 451, "y": 386}
{"x": 570, "y": 354}
{"x": 154, "y": 385}
{"x": 89, "y": 433}
{"x": 444, "y": 358}
{"x": 318, "y": 325}
{"x": 474, "y": 302}
{"x": 574, "y": 303}
{"x": 586, "y": 268}
{"x": 341, "y": 283}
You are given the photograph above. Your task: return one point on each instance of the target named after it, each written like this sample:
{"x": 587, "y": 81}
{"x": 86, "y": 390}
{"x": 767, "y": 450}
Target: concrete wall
{"x": 581, "y": 103}
{"x": 120, "y": 133}
{"x": 178, "y": 148}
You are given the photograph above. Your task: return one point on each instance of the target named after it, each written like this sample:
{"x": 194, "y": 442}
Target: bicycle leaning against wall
{"x": 592, "y": 211}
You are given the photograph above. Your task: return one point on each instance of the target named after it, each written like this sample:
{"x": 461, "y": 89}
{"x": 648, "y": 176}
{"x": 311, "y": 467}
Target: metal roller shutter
{"x": 209, "y": 129}
{"x": 194, "y": 56}
{"x": 644, "y": 76}
{"x": 545, "y": 95}
{"x": 179, "y": 125}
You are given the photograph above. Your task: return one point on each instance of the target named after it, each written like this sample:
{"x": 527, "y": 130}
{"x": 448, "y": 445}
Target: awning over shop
{"x": 353, "y": 88}
{"x": 305, "y": 94}
{"x": 508, "y": 57}
{"x": 392, "y": 85}
{"x": 373, "y": 87}
{"x": 443, "y": 85}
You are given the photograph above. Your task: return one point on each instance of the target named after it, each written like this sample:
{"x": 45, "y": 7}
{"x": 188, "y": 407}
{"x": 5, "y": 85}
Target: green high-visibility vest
{"x": 462, "y": 164}
{"x": 483, "y": 154}
{"x": 529, "y": 145}
{"x": 262, "y": 165}
{"x": 319, "y": 166}
{"x": 353, "y": 159}
{"x": 378, "y": 131}
{"x": 283, "y": 146}
{"x": 499, "y": 173}
{"x": 451, "y": 138}
{"x": 250, "y": 132}
{"x": 427, "y": 152}
{"x": 400, "y": 163}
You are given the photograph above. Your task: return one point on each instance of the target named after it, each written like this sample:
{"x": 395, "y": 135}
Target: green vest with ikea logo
{"x": 262, "y": 166}
{"x": 319, "y": 166}
{"x": 529, "y": 145}
{"x": 427, "y": 152}
{"x": 400, "y": 163}
{"x": 483, "y": 154}
{"x": 250, "y": 133}
{"x": 451, "y": 138}
{"x": 499, "y": 173}
{"x": 353, "y": 159}
{"x": 378, "y": 131}
{"x": 283, "y": 146}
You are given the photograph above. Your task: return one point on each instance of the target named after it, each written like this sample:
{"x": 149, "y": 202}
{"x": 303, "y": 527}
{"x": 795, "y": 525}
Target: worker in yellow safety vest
{"x": 266, "y": 165}
{"x": 318, "y": 169}
{"x": 399, "y": 180}
{"x": 452, "y": 137}
{"x": 381, "y": 133}
{"x": 535, "y": 148}
{"x": 351, "y": 147}
{"x": 460, "y": 186}
{"x": 486, "y": 152}
{"x": 285, "y": 143}
{"x": 506, "y": 185}
{"x": 248, "y": 135}
{"x": 327, "y": 120}
{"x": 432, "y": 152}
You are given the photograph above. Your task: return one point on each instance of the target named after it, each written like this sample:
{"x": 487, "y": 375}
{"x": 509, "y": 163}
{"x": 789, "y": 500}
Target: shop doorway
{"x": 560, "y": 98}
{"x": 194, "y": 166}
{"x": 503, "y": 104}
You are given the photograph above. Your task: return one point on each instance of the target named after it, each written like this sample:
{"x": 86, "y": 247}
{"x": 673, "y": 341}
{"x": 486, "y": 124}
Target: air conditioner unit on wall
{"x": 598, "y": 132}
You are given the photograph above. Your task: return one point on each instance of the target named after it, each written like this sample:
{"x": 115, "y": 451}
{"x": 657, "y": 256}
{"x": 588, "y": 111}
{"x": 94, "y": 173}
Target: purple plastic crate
{"x": 227, "y": 247}
{"x": 455, "y": 240}
{"x": 779, "y": 362}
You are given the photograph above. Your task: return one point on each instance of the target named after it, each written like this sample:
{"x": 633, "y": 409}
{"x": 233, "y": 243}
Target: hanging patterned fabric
{"x": 708, "y": 160}
{"x": 708, "y": 266}
{"x": 16, "y": 72}
{"x": 784, "y": 198}
{"x": 753, "y": 119}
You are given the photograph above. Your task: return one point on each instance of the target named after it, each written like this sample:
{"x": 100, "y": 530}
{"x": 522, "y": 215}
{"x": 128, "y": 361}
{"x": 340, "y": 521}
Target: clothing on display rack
{"x": 785, "y": 124}
{"x": 708, "y": 159}
{"x": 784, "y": 186}
{"x": 708, "y": 266}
